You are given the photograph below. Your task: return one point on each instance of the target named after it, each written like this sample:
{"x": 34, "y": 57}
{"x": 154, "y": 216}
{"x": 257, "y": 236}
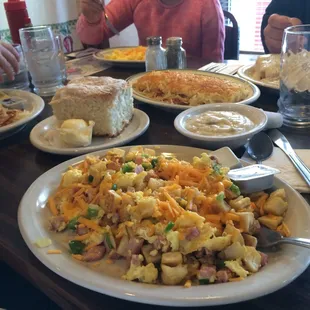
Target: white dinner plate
{"x": 138, "y": 125}
{"x": 33, "y": 104}
{"x": 254, "y": 91}
{"x": 100, "y": 55}
{"x": 283, "y": 267}
{"x": 244, "y": 72}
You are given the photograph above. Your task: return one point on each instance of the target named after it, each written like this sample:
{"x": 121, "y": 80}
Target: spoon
{"x": 260, "y": 147}
{"x": 267, "y": 238}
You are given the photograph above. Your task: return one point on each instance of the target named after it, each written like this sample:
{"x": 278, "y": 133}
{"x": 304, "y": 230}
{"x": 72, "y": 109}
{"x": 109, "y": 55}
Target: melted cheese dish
{"x": 135, "y": 53}
{"x": 219, "y": 123}
{"x": 190, "y": 89}
{"x": 174, "y": 222}
{"x": 267, "y": 69}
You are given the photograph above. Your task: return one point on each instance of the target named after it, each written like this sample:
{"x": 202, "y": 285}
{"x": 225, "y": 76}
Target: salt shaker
{"x": 155, "y": 58}
{"x": 175, "y": 53}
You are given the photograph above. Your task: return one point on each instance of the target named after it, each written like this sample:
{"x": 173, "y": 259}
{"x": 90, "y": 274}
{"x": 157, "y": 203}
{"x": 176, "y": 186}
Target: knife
{"x": 280, "y": 140}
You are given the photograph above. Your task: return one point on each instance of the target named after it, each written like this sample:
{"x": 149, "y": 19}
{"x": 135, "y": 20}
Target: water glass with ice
{"x": 294, "y": 102}
{"x": 42, "y": 56}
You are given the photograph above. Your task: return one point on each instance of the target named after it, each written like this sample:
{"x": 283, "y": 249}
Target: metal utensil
{"x": 260, "y": 147}
{"x": 109, "y": 24}
{"x": 267, "y": 238}
{"x": 280, "y": 140}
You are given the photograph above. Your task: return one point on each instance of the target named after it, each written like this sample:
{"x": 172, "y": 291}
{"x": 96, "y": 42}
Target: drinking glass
{"x": 294, "y": 102}
{"x": 42, "y": 56}
{"x": 61, "y": 56}
{"x": 21, "y": 80}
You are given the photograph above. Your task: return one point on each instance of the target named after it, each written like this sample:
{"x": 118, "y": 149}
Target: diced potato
{"x": 122, "y": 248}
{"x": 275, "y": 205}
{"x": 240, "y": 203}
{"x": 252, "y": 259}
{"x": 234, "y": 251}
{"x": 173, "y": 275}
{"x": 246, "y": 220}
{"x": 146, "y": 250}
{"x": 279, "y": 193}
{"x": 271, "y": 221}
{"x": 230, "y": 229}
{"x": 235, "y": 267}
{"x": 250, "y": 240}
{"x": 218, "y": 243}
{"x": 149, "y": 152}
{"x": 173, "y": 238}
{"x": 172, "y": 259}
{"x": 155, "y": 183}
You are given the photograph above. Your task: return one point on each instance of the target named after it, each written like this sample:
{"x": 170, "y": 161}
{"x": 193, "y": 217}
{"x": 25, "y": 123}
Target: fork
{"x": 267, "y": 238}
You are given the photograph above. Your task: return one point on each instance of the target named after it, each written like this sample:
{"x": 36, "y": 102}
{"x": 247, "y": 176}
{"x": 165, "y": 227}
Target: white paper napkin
{"x": 289, "y": 173}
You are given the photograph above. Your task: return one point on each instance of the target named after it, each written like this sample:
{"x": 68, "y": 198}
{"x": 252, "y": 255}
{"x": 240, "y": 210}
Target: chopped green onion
{"x": 72, "y": 223}
{"x": 217, "y": 168}
{"x": 76, "y": 247}
{"x": 91, "y": 213}
{"x": 145, "y": 155}
{"x": 154, "y": 162}
{"x": 169, "y": 227}
{"x": 147, "y": 166}
{"x": 108, "y": 240}
{"x": 114, "y": 187}
{"x": 127, "y": 168}
{"x": 90, "y": 179}
{"x": 235, "y": 189}
{"x": 204, "y": 281}
{"x": 220, "y": 264}
{"x": 220, "y": 196}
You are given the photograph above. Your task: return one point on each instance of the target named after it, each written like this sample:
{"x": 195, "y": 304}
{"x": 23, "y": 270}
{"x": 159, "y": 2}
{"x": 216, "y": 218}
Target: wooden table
{"x": 21, "y": 164}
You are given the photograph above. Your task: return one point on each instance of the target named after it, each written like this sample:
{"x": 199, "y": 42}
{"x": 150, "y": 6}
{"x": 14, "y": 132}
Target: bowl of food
{"x": 217, "y": 125}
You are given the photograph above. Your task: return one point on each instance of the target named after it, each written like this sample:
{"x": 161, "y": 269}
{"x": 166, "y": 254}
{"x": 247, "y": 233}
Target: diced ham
{"x": 135, "y": 245}
{"x": 113, "y": 166}
{"x": 138, "y": 160}
{"x": 222, "y": 276}
{"x": 150, "y": 174}
{"x": 114, "y": 255}
{"x": 207, "y": 272}
{"x": 94, "y": 254}
{"x": 264, "y": 259}
{"x": 81, "y": 230}
{"x": 57, "y": 223}
{"x": 135, "y": 260}
{"x": 192, "y": 233}
{"x": 139, "y": 169}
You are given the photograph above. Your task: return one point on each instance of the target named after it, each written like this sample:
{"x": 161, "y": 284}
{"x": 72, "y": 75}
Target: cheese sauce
{"x": 219, "y": 123}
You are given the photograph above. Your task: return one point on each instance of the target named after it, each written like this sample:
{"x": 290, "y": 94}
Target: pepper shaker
{"x": 175, "y": 53}
{"x": 155, "y": 58}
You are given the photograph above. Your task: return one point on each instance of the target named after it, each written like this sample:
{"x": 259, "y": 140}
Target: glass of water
{"x": 42, "y": 56}
{"x": 294, "y": 102}
{"x": 21, "y": 80}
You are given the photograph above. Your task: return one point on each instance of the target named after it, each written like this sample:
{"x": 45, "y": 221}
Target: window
{"x": 249, "y": 14}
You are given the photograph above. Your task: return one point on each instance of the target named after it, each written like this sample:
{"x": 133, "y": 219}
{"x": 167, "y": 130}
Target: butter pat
{"x": 76, "y": 132}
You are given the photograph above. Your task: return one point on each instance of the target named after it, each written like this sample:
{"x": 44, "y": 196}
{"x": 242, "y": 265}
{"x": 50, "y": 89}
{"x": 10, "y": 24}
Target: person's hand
{"x": 274, "y": 31}
{"x": 92, "y": 10}
{"x": 9, "y": 60}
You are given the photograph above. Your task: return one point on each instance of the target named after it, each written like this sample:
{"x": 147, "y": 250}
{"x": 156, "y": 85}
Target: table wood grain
{"x": 21, "y": 164}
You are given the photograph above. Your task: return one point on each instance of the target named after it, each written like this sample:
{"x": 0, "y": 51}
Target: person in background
{"x": 279, "y": 15}
{"x": 199, "y": 22}
{"x": 9, "y": 60}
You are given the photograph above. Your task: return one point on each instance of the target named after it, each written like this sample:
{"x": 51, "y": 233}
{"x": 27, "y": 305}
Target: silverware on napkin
{"x": 279, "y": 139}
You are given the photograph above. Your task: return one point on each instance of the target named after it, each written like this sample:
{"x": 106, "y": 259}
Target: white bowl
{"x": 257, "y": 116}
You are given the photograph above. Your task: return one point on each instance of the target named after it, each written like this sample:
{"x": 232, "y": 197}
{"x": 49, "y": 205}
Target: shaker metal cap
{"x": 153, "y": 40}
{"x": 174, "y": 41}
